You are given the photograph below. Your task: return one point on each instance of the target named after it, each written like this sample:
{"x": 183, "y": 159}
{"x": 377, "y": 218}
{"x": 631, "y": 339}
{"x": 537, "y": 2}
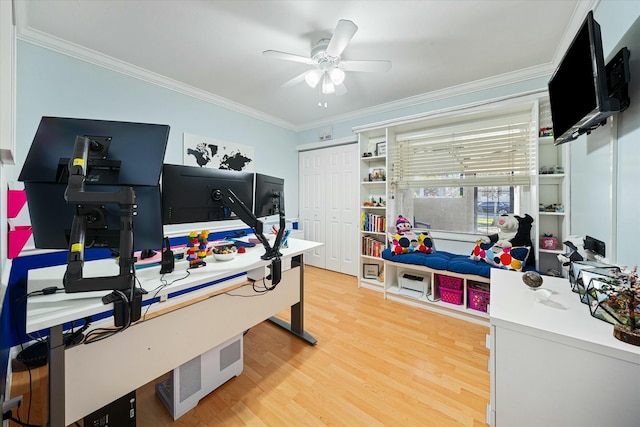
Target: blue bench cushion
{"x": 441, "y": 260}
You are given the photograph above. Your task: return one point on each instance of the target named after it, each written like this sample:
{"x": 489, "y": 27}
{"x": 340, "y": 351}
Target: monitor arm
{"x": 89, "y": 207}
{"x": 234, "y": 203}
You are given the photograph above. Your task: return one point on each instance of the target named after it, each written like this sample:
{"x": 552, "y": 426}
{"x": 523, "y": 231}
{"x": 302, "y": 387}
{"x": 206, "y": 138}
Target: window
{"x": 460, "y": 176}
{"x": 459, "y": 209}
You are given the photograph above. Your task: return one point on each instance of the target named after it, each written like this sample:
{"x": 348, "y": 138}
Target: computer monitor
{"x": 195, "y": 194}
{"x": 120, "y": 155}
{"x": 269, "y": 195}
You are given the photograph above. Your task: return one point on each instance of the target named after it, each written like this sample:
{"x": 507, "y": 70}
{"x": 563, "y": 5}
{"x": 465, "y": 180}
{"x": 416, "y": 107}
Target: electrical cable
{"x": 161, "y": 287}
{"x": 9, "y": 416}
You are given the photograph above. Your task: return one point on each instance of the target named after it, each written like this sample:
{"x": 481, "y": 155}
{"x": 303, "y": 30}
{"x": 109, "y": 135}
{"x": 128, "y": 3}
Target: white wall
{"x": 605, "y": 171}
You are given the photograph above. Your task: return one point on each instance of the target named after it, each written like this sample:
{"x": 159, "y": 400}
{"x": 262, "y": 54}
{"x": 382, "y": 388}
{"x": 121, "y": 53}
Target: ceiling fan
{"x": 330, "y": 69}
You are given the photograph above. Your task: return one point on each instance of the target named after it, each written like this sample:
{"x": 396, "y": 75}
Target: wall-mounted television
{"x": 578, "y": 93}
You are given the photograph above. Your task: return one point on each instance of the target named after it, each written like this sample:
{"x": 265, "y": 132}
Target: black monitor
{"x": 195, "y": 194}
{"x": 120, "y": 154}
{"x": 269, "y": 195}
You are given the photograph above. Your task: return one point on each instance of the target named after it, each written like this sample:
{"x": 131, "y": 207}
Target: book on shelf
{"x": 372, "y": 247}
{"x": 372, "y": 222}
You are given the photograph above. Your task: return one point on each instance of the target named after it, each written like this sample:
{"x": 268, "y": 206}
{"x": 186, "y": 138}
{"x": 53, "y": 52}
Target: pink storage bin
{"x": 478, "y": 299}
{"x": 549, "y": 243}
{"x": 451, "y": 296}
{"x": 449, "y": 282}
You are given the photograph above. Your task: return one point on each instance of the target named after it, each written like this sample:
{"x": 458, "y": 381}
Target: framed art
{"x": 207, "y": 152}
{"x": 370, "y": 271}
{"x": 381, "y": 149}
{"x": 378, "y": 174}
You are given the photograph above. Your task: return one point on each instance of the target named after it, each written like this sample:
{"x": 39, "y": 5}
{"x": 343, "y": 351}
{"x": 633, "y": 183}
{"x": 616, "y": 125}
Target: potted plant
{"x": 623, "y": 297}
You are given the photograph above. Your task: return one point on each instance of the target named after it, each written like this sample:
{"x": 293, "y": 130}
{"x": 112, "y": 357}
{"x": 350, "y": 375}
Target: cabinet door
{"x": 312, "y": 206}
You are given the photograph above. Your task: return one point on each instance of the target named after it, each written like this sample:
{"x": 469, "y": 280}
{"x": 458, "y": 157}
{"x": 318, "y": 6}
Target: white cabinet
{"x": 555, "y": 365}
{"x": 329, "y": 206}
{"x": 373, "y": 207}
{"x": 552, "y": 197}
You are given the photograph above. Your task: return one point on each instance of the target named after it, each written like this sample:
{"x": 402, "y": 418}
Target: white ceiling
{"x": 213, "y": 49}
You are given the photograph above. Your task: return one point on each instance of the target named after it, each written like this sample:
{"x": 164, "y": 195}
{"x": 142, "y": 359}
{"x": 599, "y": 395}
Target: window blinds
{"x": 485, "y": 152}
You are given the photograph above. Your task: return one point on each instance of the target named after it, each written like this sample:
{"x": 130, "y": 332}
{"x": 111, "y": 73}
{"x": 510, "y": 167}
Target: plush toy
{"x": 406, "y": 240}
{"x": 402, "y": 225}
{"x": 515, "y": 231}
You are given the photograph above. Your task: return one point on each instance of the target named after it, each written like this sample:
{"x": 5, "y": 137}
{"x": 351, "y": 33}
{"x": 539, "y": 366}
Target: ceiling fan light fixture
{"x": 313, "y": 77}
{"x": 336, "y": 75}
{"x": 327, "y": 85}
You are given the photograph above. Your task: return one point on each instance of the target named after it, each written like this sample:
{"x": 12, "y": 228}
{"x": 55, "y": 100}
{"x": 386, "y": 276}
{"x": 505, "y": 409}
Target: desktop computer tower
{"x": 193, "y": 380}
{"x": 119, "y": 413}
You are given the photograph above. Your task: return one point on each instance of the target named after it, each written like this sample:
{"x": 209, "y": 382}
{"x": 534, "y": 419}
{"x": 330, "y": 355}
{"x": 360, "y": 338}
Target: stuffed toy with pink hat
{"x": 407, "y": 241}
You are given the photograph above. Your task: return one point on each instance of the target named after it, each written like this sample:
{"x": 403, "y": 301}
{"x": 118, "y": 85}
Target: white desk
{"x": 553, "y": 364}
{"x": 86, "y": 377}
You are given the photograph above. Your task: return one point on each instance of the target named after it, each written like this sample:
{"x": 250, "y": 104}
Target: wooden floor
{"x": 377, "y": 363}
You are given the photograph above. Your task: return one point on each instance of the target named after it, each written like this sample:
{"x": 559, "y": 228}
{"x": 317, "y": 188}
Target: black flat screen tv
{"x": 193, "y": 194}
{"x": 578, "y": 93}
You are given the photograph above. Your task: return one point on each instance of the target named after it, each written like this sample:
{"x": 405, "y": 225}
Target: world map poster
{"x": 211, "y": 153}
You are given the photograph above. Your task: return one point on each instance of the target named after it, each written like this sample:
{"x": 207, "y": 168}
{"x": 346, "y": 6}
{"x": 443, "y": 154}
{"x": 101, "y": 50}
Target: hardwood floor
{"x": 377, "y": 363}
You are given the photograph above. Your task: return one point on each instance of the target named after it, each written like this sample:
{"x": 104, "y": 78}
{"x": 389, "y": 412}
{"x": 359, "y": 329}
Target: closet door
{"x": 312, "y": 172}
{"x": 342, "y": 209}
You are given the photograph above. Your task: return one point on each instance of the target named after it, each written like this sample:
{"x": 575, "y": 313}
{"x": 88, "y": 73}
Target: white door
{"x": 312, "y": 208}
{"x": 342, "y": 210}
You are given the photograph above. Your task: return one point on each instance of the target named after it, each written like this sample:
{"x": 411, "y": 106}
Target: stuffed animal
{"x": 406, "y": 240}
{"x": 402, "y": 225}
{"x": 514, "y": 231}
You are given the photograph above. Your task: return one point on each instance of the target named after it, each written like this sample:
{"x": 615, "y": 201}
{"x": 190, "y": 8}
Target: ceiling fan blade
{"x": 341, "y": 37}
{"x": 288, "y": 57}
{"x": 294, "y": 81}
{"x": 341, "y": 89}
{"x": 366, "y": 66}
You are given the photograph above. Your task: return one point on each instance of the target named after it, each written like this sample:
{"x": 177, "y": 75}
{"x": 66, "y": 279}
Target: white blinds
{"x": 475, "y": 153}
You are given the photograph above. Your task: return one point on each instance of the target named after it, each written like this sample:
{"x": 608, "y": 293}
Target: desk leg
{"x": 297, "y": 310}
{"x": 56, "y": 377}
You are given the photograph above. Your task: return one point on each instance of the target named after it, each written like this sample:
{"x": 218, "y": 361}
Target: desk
{"x": 86, "y": 377}
{"x": 554, "y": 365}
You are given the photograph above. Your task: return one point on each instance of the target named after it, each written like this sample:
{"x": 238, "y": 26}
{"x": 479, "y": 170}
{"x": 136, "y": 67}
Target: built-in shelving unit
{"x": 552, "y": 196}
{"x": 373, "y": 208}
{"x": 546, "y": 199}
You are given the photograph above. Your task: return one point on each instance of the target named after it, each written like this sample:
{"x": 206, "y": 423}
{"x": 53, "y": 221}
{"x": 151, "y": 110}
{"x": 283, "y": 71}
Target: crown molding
{"x": 39, "y": 38}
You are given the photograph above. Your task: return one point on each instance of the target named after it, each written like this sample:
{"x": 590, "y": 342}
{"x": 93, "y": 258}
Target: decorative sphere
{"x": 532, "y": 279}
